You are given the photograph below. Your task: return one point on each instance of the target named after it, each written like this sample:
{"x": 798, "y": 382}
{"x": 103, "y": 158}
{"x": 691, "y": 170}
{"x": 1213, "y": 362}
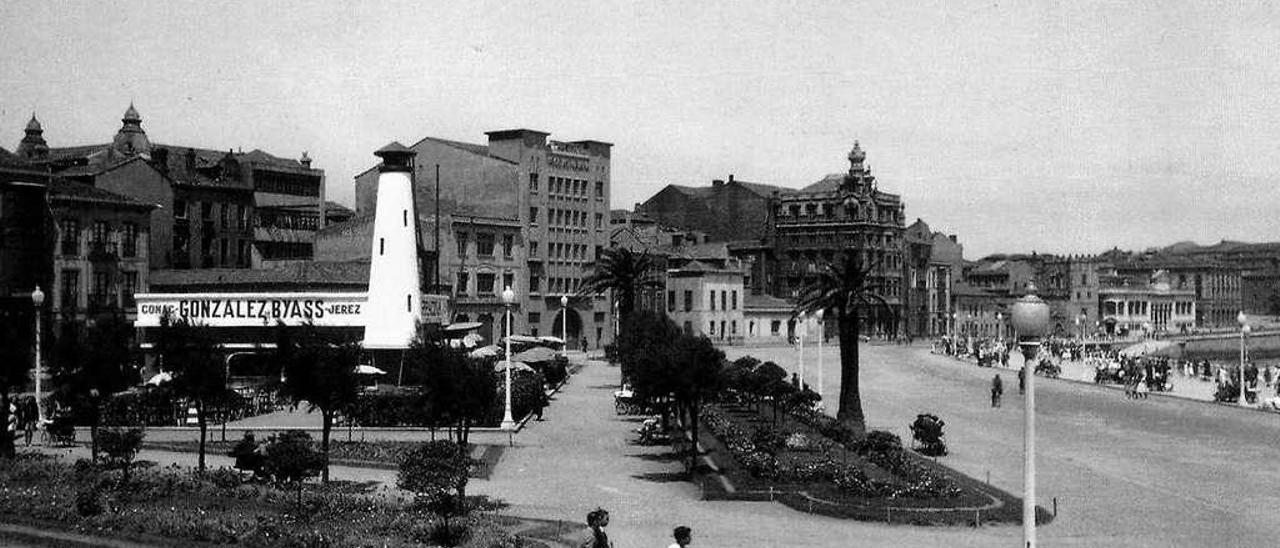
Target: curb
{"x": 40, "y": 536}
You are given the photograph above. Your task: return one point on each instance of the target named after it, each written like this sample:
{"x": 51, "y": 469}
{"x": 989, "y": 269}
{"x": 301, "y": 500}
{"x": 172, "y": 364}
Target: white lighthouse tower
{"x": 395, "y": 287}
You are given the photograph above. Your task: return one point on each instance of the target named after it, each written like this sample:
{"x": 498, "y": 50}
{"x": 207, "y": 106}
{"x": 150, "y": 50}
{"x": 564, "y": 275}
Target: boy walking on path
{"x": 684, "y": 537}
{"x": 997, "y": 390}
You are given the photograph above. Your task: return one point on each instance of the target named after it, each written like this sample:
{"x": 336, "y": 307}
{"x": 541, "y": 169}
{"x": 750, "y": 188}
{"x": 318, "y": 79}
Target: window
{"x": 535, "y": 283}
{"x": 600, "y": 189}
{"x": 129, "y": 240}
{"x": 242, "y": 221}
{"x": 688, "y": 328}
{"x": 533, "y": 215}
{"x": 206, "y": 212}
{"x": 535, "y": 318}
{"x": 599, "y": 317}
{"x": 533, "y": 183}
{"x": 222, "y": 251}
{"x": 70, "y": 237}
{"x": 508, "y": 280}
{"x": 711, "y": 328}
{"x": 533, "y": 248}
{"x": 129, "y": 283}
{"x": 99, "y": 297}
{"x": 70, "y": 289}
{"x": 179, "y": 209}
{"x": 101, "y": 230}
{"x": 222, "y": 216}
{"x": 671, "y": 301}
{"x": 733, "y": 327}
{"x": 599, "y": 220}
{"x": 463, "y": 282}
{"x": 404, "y": 217}
{"x": 462, "y": 244}
{"x": 484, "y": 243}
{"x": 688, "y": 301}
{"x": 485, "y": 282}
{"x": 382, "y": 246}
{"x": 243, "y": 257}
{"x": 723, "y": 297}
{"x": 734, "y": 301}
{"x": 775, "y": 327}
{"x": 508, "y": 241}
{"x": 713, "y": 299}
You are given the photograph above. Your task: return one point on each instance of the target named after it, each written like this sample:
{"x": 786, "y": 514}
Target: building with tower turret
{"x": 811, "y": 227}
{"x": 216, "y": 208}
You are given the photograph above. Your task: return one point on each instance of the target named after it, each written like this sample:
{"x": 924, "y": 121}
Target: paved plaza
{"x": 1159, "y": 472}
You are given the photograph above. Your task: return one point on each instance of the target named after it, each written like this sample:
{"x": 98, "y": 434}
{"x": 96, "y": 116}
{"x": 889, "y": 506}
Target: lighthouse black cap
{"x": 395, "y": 157}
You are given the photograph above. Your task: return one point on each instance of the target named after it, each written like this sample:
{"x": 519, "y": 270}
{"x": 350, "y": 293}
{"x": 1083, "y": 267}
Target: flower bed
{"x": 179, "y": 507}
{"x": 386, "y": 455}
{"x": 868, "y": 478}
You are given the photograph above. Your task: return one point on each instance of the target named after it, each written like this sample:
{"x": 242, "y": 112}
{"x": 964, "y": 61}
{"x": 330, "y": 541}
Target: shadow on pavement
{"x": 657, "y": 457}
{"x": 662, "y": 477}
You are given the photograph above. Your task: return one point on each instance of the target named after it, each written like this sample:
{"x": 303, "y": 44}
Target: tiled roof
{"x": 827, "y": 184}
{"x": 64, "y": 190}
{"x": 473, "y": 148}
{"x": 764, "y": 190}
{"x": 763, "y": 302}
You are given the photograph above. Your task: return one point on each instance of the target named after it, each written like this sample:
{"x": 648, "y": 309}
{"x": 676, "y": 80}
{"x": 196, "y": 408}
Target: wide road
{"x": 1154, "y": 472}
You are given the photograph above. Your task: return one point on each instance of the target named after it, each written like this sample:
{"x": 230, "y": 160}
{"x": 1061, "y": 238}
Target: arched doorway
{"x": 486, "y": 328}
{"x": 574, "y": 328}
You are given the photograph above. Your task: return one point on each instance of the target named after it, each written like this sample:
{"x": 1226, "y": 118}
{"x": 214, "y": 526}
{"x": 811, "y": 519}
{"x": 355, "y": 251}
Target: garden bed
{"x": 866, "y": 479}
{"x": 179, "y": 507}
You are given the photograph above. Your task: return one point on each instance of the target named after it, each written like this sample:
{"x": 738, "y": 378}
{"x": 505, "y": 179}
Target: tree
{"x": 188, "y": 351}
{"x": 846, "y": 287}
{"x": 292, "y": 458}
{"x": 436, "y": 473}
{"x": 698, "y": 365}
{"x": 460, "y": 390}
{"x": 625, "y": 272}
{"x": 121, "y": 446}
{"x": 645, "y": 347}
{"x": 89, "y": 362}
{"x": 321, "y": 372}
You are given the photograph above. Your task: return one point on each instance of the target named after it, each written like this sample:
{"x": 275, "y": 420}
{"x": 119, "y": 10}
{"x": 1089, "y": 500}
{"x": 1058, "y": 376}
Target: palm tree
{"x": 846, "y": 287}
{"x": 624, "y": 271}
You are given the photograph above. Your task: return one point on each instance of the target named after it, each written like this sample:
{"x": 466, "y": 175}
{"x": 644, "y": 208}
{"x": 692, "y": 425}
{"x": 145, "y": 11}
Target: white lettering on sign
{"x": 253, "y": 309}
{"x": 567, "y": 162}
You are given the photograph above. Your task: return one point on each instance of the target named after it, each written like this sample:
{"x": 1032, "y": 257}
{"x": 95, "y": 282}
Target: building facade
{"x": 707, "y": 300}
{"x": 726, "y": 211}
{"x": 557, "y": 193}
{"x": 811, "y": 227}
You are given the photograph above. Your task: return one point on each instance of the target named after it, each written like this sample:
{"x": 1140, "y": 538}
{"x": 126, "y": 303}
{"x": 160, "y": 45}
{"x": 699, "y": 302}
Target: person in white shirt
{"x": 684, "y": 537}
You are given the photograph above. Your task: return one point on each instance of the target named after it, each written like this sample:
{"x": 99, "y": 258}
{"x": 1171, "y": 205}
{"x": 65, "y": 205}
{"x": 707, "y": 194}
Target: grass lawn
{"x": 385, "y": 455}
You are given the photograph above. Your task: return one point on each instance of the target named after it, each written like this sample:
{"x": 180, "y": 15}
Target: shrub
{"x": 120, "y": 447}
{"x": 88, "y": 502}
{"x": 436, "y": 473}
{"x": 292, "y": 457}
{"x": 248, "y": 454}
{"x": 879, "y": 441}
{"x": 927, "y": 431}
{"x": 768, "y": 439}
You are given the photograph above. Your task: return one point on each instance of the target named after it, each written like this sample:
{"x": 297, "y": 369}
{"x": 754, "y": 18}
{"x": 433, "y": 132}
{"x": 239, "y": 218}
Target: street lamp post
{"x": 1030, "y": 316}
{"x": 800, "y": 329}
{"x": 822, "y": 334}
{"x": 508, "y": 423}
{"x": 999, "y": 326}
{"x": 37, "y": 299}
{"x": 564, "y": 322}
{"x": 1244, "y": 330}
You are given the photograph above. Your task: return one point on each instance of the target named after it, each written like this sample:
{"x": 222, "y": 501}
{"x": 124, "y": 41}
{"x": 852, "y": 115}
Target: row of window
{"x": 486, "y": 283}
{"x": 103, "y": 291}
{"x": 100, "y": 236}
{"x": 856, "y": 210}
{"x": 566, "y": 251}
{"x": 294, "y": 220}
{"x": 555, "y": 285}
{"x": 857, "y": 240}
{"x": 485, "y": 244}
{"x": 565, "y": 217}
{"x": 728, "y": 300}
{"x": 286, "y": 183}
{"x": 225, "y": 213}
{"x": 564, "y": 186}
{"x": 221, "y": 252}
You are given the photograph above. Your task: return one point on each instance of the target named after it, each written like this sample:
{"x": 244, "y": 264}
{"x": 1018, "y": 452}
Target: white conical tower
{"x": 395, "y": 290}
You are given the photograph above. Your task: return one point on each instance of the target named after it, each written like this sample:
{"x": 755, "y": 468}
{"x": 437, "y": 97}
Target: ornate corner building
{"x": 811, "y": 227}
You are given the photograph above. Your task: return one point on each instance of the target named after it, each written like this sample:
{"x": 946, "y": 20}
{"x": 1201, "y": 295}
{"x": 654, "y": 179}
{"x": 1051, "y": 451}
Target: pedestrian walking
{"x": 683, "y": 536}
{"x": 997, "y": 390}
{"x": 30, "y": 415}
{"x": 597, "y": 520}
{"x": 12, "y": 423}
{"x": 540, "y": 404}
{"x": 1022, "y": 380}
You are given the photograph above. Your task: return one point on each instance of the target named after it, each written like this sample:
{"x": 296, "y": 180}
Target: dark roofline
{"x": 505, "y": 134}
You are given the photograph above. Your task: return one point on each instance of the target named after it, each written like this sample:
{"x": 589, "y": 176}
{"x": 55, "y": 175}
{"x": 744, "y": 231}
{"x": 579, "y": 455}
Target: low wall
{"x": 1226, "y": 346}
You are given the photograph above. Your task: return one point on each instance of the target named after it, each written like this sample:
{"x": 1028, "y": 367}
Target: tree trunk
{"x": 850, "y": 412}
{"x": 204, "y": 428}
{"x": 326, "y": 423}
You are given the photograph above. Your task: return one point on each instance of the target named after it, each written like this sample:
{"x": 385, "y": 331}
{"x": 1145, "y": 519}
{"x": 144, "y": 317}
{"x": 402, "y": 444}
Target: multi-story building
{"x": 557, "y": 192}
{"x": 707, "y": 300}
{"x": 932, "y": 262}
{"x": 725, "y": 211}
{"x": 101, "y": 260}
{"x": 218, "y": 209}
{"x": 811, "y": 227}
{"x": 1146, "y": 305}
{"x": 25, "y": 246}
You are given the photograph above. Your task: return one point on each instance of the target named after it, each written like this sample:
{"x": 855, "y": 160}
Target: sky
{"x": 1056, "y": 127}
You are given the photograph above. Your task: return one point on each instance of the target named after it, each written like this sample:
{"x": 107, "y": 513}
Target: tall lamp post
{"x": 564, "y": 323}
{"x": 999, "y": 326}
{"x": 37, "y": 299}
{"x": 1030, "y": 316}
{"x": 1244, "y": 330}
{"x": 800, "y": 329}
{"x": 508, "y": 424}
{"x": 822, "y": 334}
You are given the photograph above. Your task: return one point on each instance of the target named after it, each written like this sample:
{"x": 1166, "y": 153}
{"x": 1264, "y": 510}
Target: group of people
{"x": 24, "y": 417}
{"x": 598, "y": 519}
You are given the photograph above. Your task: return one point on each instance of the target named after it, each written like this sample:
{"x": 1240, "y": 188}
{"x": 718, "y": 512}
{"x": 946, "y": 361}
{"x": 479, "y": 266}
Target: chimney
{"x": 305, "y": 160}
{"x": 730, "y": 177}
{"x": 953, "y": 238}
{"x": 717, "y": 183}
{"x": 191, "y": 159}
